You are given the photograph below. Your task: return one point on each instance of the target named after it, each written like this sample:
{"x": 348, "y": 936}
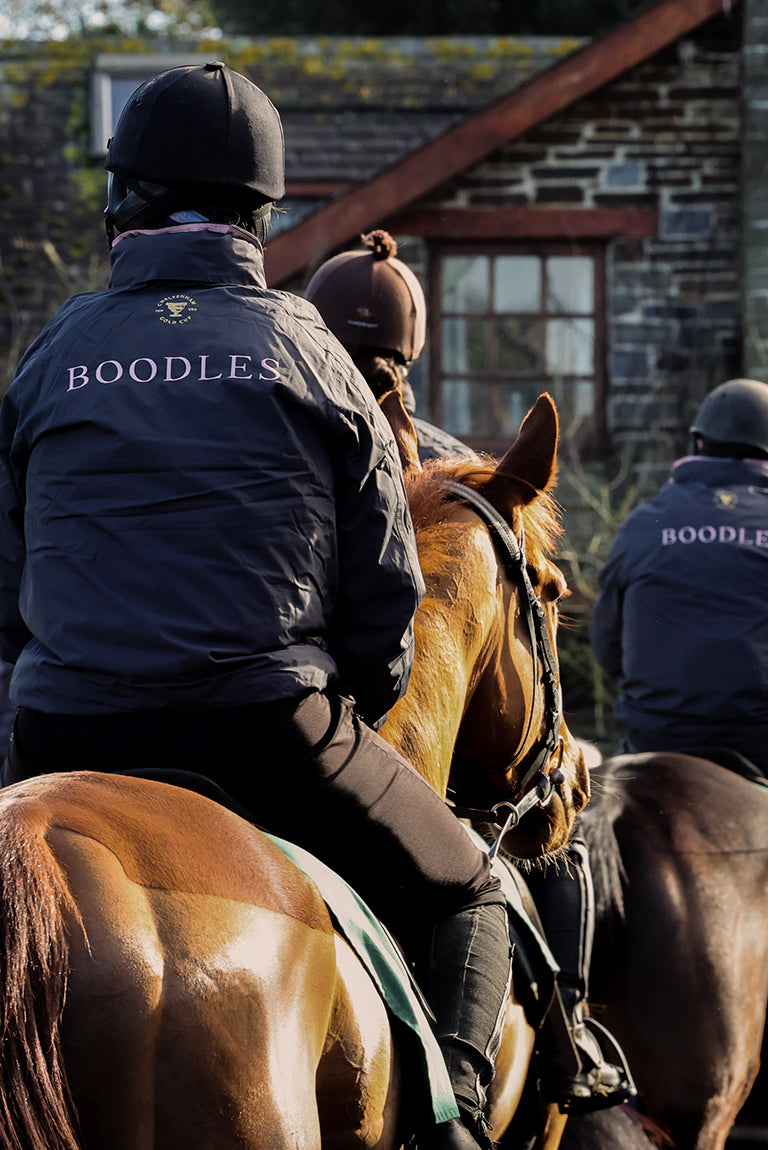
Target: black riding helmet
{"x": 370, "y": 299}
{"x": 736, "y": 414}
{"x": 199, "y": 134}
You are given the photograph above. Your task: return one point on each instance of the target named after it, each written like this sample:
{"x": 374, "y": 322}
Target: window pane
{"x": 465, "y": 283}
{"x": 465, "y": 344}
{"x": 520, "y": 345}
{"x": 570, "y": 284}
{"x": 517, "y": 283}
{"x": 575, "y": 403}
{"x": 457, "y": 407}
{"x": 570, "y": 346}
{"x": 487, "y": 409}
{"x": 508, "y": 404}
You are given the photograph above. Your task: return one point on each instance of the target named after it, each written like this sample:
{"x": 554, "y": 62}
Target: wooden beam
{"x": 459, "y": 148}
{"x": 525, "y": 223}
{"x": 307, "y": 189}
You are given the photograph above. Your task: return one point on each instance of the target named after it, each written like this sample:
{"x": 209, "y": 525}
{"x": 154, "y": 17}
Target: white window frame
{"x": 105, "y": 109}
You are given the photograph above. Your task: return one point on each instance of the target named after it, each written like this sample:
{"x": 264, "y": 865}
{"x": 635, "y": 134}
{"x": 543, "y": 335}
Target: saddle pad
{"x": 375, "y": 949}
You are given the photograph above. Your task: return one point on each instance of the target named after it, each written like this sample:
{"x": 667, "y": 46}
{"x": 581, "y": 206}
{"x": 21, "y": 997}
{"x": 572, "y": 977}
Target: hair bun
{"x": 382, "y": 246}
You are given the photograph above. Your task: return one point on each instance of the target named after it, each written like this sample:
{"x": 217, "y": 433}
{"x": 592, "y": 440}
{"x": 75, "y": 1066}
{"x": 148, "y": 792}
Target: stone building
{"x": 588, "y": 218}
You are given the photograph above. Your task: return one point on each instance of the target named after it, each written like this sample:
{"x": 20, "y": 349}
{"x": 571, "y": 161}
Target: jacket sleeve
{"x": 606, "y": 628}
{"x": 13, "y": 632}
{"x": 380, "y": 581}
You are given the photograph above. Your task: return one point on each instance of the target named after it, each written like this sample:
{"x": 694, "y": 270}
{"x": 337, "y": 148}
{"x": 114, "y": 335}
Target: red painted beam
{"x": 525, "y": 223}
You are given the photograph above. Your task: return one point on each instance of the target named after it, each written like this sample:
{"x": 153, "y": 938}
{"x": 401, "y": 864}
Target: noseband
{"x": 536, "y": 785}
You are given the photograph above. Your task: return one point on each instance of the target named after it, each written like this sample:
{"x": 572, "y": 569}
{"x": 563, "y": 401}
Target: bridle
{"x": 537, "y": 785}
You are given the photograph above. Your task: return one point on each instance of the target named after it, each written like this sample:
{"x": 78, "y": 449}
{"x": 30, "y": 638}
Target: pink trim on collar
{"x": 205, "y": 226}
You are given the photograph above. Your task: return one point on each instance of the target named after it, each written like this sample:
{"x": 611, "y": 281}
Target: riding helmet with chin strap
{"x": 370, "y": 299}
{"x": 735, "y": 413}
{"x": 199, "y": 138}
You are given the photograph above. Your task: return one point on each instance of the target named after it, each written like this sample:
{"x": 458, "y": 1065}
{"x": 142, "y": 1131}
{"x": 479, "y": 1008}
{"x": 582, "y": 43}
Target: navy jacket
{"x": 200, "y": 502}
{"x": 682, "y": 617}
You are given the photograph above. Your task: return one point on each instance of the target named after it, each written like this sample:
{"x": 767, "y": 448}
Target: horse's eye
{"x": 554, "y": 592}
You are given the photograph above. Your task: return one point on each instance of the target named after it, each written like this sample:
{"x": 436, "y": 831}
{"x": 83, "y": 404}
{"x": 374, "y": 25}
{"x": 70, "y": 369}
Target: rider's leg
{"x": 564, "y": 897}
{"x": 410, "y": 858}
{"x": 468, "y": 989}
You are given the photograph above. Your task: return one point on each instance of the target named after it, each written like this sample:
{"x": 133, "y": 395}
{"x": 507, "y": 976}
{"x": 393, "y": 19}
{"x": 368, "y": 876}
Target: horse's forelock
{"x": 430, "y": 501}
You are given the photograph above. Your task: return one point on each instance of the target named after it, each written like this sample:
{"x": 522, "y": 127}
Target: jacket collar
{"x": 714, "y": 471}
{"x": 190, "y": 253}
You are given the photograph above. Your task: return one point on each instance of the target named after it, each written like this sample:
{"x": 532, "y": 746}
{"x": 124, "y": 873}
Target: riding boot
{"x": 574, "y": 1050}
{"x": 469, "y": 979}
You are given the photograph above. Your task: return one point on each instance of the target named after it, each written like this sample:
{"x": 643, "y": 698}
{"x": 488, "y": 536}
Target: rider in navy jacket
{"x": 682, "y": 618}
{"x": 279, "y": 476}
{"x": 207, "y": 560}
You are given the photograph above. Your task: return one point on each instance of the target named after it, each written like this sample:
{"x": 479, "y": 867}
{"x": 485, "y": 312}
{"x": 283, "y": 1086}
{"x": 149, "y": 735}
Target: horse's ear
{"x": 391, "y": 404}
{"x": 531, "y": 462}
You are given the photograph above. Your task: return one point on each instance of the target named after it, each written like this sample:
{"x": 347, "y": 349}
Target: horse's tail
{"x": 36, "y": 1109}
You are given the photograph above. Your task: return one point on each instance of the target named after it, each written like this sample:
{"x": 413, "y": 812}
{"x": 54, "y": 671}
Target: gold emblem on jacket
{"x": 175, "y": 309}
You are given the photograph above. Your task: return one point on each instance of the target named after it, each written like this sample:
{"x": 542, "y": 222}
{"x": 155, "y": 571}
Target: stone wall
{"x": 755, "y": 189}
{"x": 51, "y": 238}
{"x": 665, "y": 135}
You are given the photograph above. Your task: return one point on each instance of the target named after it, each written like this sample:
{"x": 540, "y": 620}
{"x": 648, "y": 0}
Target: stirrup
{"x": 597, "y": 1087}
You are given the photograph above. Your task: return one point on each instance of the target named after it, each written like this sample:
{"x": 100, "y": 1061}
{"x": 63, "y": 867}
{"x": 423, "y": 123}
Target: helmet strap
{"x": 133, "y": 203}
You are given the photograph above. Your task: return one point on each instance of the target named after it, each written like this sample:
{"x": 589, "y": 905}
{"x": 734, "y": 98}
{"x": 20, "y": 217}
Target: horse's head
{"x": 483, "y": 705}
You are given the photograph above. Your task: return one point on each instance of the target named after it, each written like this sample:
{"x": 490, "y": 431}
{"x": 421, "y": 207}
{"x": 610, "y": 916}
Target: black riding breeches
{"x": 307, "y": 770}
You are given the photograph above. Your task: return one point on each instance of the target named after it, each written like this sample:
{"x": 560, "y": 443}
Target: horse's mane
{"x": 430, "y": 501}
{"x": 597, "y": 825}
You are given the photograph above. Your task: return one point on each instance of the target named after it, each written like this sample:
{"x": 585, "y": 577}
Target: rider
{"x": 206, "y": 554}
{"x": 681, "y": 621}
{"x": 375, "y": 305}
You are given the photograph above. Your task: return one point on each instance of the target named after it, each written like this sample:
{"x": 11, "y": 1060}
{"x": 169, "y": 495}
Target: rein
{"x": 507, "y": 813}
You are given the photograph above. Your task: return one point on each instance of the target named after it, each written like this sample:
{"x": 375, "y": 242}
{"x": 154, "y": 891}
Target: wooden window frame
{"x": 595, "y": 440}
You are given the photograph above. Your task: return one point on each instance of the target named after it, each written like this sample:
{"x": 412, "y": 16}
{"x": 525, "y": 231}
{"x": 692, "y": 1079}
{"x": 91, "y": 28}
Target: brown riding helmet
{"x": 370, "y": 299}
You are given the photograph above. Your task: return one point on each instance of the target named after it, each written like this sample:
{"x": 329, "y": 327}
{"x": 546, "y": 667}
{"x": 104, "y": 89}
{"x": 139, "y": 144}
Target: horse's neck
{"x": 424, "y": 725}
{"x": 452, "y": 627}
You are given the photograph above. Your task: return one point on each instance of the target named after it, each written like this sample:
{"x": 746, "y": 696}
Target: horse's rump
{"x": 680, "y": 844}
{"x": 204, "y": 981}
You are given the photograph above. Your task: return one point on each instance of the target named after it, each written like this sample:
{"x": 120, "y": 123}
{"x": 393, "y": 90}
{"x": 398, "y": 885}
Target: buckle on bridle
{"x": 540, "y": 795}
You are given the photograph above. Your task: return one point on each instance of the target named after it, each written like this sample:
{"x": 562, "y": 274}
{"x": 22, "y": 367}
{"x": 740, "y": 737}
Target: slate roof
{"x": 355, "y": 106}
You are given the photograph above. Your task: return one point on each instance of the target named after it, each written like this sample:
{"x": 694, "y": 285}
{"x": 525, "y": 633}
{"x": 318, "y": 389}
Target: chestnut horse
{"x": 679, "y": 849}
{"x": 470, "y": 716}
{"x": 169, "y": 978}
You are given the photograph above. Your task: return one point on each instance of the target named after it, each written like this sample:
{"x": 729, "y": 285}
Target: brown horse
{"x": 679, "y": 849}
{"x": 169, "y": 978}
{"x": 472, "y": 714}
